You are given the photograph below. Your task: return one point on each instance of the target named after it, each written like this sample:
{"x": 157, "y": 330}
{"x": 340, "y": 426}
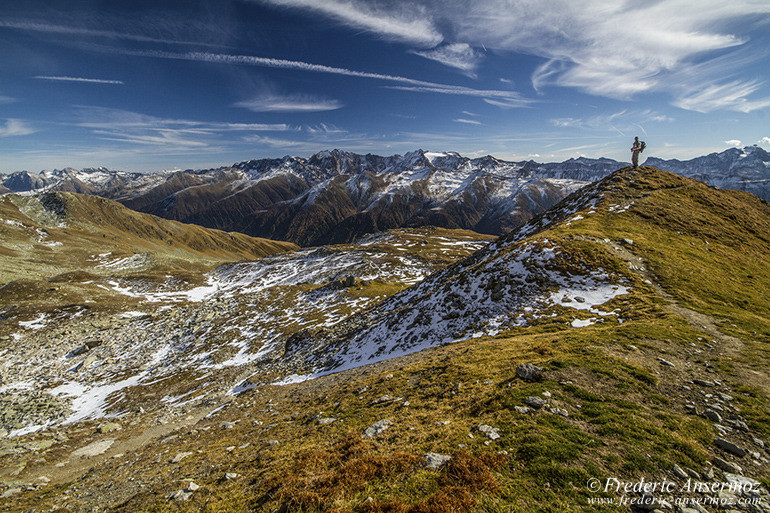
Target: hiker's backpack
{"x": 643, "y": 146}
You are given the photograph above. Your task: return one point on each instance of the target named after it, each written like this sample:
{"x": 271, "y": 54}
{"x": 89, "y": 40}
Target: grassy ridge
{"x": 706, "y": 249}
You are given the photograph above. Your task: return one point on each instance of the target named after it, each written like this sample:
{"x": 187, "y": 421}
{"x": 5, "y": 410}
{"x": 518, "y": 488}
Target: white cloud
{"x": 620, "y": 121}
{"x": 765, "y": 140}
{"x": 6, "y": 99}
{"x": 408, "y": 22}
{"x": 289, "y": 103}
{"x": 467, "y": 121}
{"x": 734, "y": 142}
{"x": 504, "y": 98}
{"x": 612, "y": 49}
{"x": 324, "y": 128}
{"x": 16, "y": 127}
{"x": 80, "y": 79}
{"x": 129, "y": 30}
{"x": 727, "y": 96}
{"x": 455, "y": 55}
{"x": 107, "y": 118}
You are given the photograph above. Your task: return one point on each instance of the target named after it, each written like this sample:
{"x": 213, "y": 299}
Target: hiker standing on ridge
{"x": 636, "y": 149}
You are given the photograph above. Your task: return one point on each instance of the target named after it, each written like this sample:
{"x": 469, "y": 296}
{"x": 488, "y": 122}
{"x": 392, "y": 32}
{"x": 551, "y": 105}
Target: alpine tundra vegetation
{"x": 620, "y": 336}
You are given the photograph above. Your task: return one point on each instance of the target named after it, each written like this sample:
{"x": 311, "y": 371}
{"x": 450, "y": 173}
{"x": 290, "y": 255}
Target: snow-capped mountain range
{"x": 337, "y": 196}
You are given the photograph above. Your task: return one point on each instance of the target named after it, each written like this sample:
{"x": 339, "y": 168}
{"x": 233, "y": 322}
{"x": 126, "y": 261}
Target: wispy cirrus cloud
{"x": 455, "y": 55}
{"x": 103, "y": 117}
{"x": 507, "y": 98}
{"x": 620, "y": 121}
{"x": 16, "y": 127}
{"x": 611, "y": 49}
{"x": 407, "y": 22}
{"x": 165, "y": 134}
{"x": 468, "y": 121}
{"x": 289, "y": 103}
{"x": 139, "y": 30}
{"x": 732, "y": 95}
{"x": 79, "y": 79}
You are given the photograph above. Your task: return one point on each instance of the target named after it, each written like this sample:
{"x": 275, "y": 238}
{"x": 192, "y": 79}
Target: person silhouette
{"x": 636, "y": 149}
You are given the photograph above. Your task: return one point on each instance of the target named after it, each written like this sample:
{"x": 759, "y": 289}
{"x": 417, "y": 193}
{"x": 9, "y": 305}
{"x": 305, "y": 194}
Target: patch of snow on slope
{"x": 489, "y": 296}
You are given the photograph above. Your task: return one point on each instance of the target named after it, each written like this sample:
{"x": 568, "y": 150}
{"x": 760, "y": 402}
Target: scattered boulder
{"x": 704, "y": 383}
{"x": 529, "y": 372}
{"x": 727, "y": 466}
{"x": 491, "y": 432}
{"x": 109, "y": 427}
{"x": 679, "y": 472}
{"x": 94, "y": 448}
{"x": 434, "y": 460}
{"x": 180, "y": 456}
{"x": 535, "y": 402}
{"x": 377, "y": 428}
{"x": 712, "y": 416}
{"x": 522, "y": 409}
{"x": 382, "y": 400}
{"x": 730, "y": 447}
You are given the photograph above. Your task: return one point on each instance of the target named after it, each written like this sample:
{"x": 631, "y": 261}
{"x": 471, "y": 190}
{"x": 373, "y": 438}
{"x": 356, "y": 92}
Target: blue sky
{"x": 150, "y": 85}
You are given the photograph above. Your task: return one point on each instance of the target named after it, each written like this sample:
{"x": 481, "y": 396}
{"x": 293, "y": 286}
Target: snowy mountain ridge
{"x": 338, "y": 196}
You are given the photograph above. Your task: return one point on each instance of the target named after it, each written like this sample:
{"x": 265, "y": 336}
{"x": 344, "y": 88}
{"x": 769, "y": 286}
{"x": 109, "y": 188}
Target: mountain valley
{"x": 623, "y": 333}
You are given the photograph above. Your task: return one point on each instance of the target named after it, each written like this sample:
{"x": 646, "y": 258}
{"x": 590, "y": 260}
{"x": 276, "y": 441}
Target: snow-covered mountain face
{"x": 746, "y": 169}
{"x": 337, "y": 196}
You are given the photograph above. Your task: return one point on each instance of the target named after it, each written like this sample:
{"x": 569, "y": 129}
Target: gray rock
{"x": 383, "y": 399}
{"x": 434, "y": 460}
{"x": 703, "y": 383}
{"x": 179, "y": 495}
{"x": 725, "y": 397}
{"x": 491, "y": 432}
{"x": 529, "y": 372}
{"x": 758, "y": 442}
{"x": 727, "y": 466}
{"x": 94, "y": 448}
{"x": 10, "y": 491}
{"x": 730, "y": 447}
{"x": 180, "y": 456}
{"x": 191, "y": 486}
{"x": 326, "y": 420}
{"x": 580, "y": 299}
{"x": 377, "y": 428}
{"x": 692, "y": 473}
{"x": 522, "y": 409}
{"x": 535, "y": 402}
{"x": 665, "y": 362}
{"x": 560, "y": 411}
{"x": 109, "y": 427}
{"x": 231, "y": 475}
{"x": 739, "y": 425}
{"x": 712, "y": 416}
{"x": 679, "y": 472}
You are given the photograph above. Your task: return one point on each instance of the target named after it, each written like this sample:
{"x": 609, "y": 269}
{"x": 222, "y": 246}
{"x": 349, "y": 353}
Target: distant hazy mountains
{"x": 336, "y": 196}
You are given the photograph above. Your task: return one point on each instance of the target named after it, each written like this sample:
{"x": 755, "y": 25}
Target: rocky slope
{"x": 314, "y": 381}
